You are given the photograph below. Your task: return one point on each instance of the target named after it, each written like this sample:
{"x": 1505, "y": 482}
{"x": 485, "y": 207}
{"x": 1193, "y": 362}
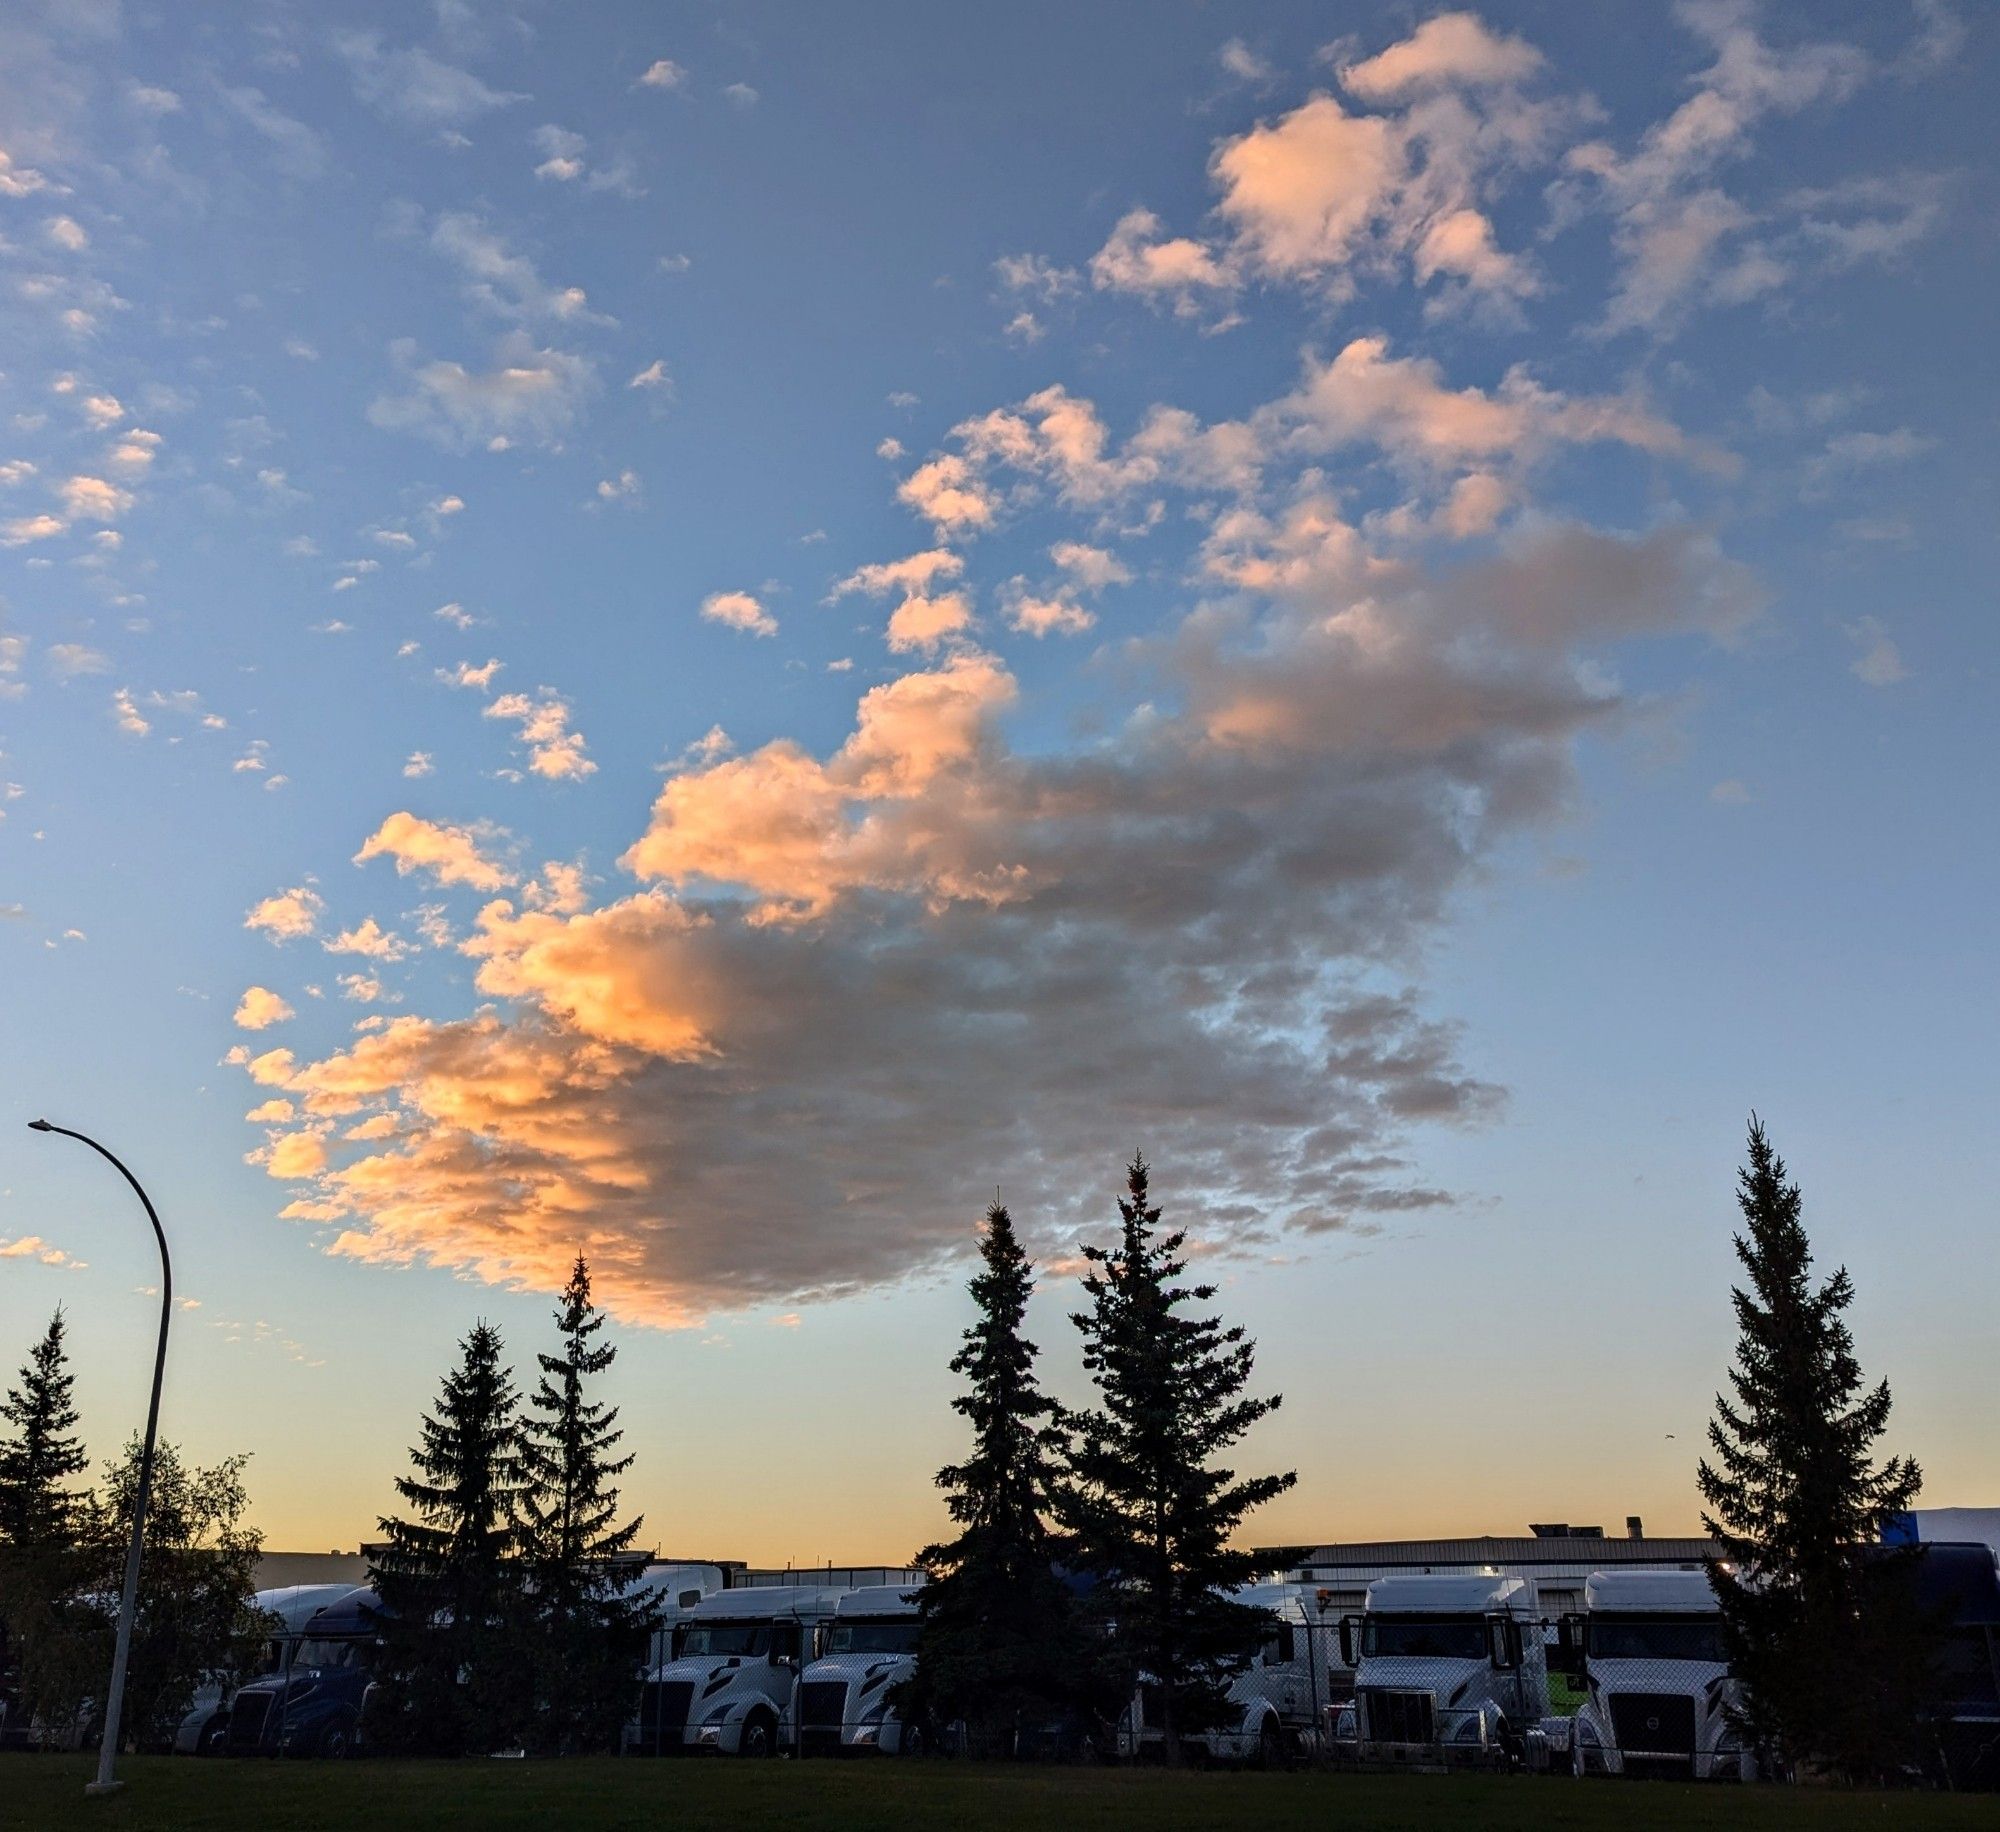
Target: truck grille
{"x": 1654, "y": 1726}
{"x": 823, "y": 1704}
{"x": 1397, "y": 1717}
{"x": 248, "y": 1716}
{"x": 663, "y": 1714}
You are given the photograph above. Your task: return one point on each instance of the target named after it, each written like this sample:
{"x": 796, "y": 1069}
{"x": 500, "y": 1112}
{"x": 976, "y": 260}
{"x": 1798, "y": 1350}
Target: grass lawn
{"x": 164, "y": 1794}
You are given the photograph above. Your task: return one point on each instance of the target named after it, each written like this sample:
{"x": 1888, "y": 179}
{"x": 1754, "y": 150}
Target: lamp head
{"x": 40, "y": 1126}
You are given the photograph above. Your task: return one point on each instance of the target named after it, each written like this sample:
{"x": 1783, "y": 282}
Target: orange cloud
{"x": 449, "y": 854}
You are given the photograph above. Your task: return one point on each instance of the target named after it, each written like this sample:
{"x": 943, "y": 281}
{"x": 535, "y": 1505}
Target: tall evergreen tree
{"x": 40, "y": 1453}
{"x": 586, "y": 1632}
{"x": 48, "y": 1529}
{"x": 1821, "y": 1631}
{"x": 996, "y": 1635}
{"x": 449, "y": 1575}
{"x": 1152, "y": 1512}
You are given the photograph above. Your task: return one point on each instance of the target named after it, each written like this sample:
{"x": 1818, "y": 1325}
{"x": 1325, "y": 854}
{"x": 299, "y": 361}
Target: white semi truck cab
{"x": 1278, "y": 1704}
{"x": 845, "y": 1696}
{"x": 731, "y": 1687}
{"x": 1657, "y": 1684}
{"x": 1449, "y": 1670}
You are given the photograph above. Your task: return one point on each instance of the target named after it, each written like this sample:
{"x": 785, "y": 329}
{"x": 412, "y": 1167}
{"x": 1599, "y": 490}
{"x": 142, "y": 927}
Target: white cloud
{"x": 739, "y": 611}
{"x": 1447, "y": 50}
{"x": 529, "y": 394}
{"x": 260, "y": 1008}
{"x": 663, "y": 73}
{"x": 414, "y": 87}
{"x": 287, "y": 915}
{"x": 1880, "y": 663}
{"x": 555, "y": 751}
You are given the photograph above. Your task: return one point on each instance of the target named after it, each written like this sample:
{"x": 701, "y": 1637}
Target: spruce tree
{"x": 1821, "y": 1631}
{"x": 587, "y": 1635}
{"x": 49, "y": 1530}
{"x": 41, "y": 1453}
{"x": 996, "y": 1642}
{"x": 449, "y": 1575}
{"x": 1152, "y": 1512}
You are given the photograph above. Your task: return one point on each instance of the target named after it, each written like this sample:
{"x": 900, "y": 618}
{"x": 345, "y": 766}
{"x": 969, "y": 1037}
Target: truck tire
{"x": 913, "y": 1742}
{"x": 759, "y": 1736}
{"x": 336, "y": 1741}
{"x": 1270, "y": 1745}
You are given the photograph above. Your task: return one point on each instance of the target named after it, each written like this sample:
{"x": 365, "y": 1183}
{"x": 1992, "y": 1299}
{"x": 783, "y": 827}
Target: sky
{"x": 703, "y": 634}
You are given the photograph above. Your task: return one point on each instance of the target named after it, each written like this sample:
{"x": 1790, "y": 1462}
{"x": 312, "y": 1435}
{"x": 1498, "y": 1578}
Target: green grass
{"x": 165, "y": 1795}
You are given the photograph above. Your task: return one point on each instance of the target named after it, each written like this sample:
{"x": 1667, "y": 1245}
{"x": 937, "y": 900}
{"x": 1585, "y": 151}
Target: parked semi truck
{"x": 846, "y": 1696}
{"x": 1279, "y": 1704}
{"x": 314, "y": 1702}
{"x": 204, "y": 1731}
{"x": 1648, "y": 1646}
{"x": 1449, "y": 1671}
{"x": 731, "y": 1687}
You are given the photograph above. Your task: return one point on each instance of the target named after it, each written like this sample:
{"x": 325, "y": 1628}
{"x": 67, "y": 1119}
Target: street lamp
{"x": 114, "y": 1711}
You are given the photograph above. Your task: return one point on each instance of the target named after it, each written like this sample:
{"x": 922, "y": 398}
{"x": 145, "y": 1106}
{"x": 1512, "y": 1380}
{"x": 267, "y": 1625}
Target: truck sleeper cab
{"x": 1449, "y": 1671}
{"x": 731, "y": 1687}
{"x": 312, "y": 1704}
{"x": 1278, "y": 1704}
{"x": 845, "y": 1696}
{"x": 1656, "y": 1680}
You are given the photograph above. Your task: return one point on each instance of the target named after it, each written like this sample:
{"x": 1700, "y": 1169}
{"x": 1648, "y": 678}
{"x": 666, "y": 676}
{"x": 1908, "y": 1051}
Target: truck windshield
{"x": 1694, "y": 1637}
{"x": 1423, "y": 1637}
{"x": 327, "y": 1654}
{"x": 723, "y": 1638}
{"x": 896, "y": 1635}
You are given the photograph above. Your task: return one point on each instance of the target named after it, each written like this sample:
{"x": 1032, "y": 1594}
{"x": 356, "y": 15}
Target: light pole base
{"x": 94, "y": 1788}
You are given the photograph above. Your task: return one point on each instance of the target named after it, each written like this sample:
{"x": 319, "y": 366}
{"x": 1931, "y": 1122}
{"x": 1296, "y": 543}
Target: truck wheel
{"x": 214, "y": 1739}
{"x": 758, "y": 1739}
{"x": 336, "y": 1742}
{"x": 913, "y": 1742}
{"x": 1270, "y": 1746}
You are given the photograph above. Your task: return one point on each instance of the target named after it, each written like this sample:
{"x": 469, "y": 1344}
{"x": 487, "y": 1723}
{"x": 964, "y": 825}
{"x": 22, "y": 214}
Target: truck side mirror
{"x": 1503, "y": 1644}
{"x": 1350, "y": 1636}
{"x": 1569, "y": 1647}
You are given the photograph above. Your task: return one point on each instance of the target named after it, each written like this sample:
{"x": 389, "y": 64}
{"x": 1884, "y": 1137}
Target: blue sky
{"x": 703, "y": 635}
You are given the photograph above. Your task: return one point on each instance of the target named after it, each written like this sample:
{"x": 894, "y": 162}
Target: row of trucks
{"x": 1437, "y": 1670}
{"x": 1457, "y": 1671}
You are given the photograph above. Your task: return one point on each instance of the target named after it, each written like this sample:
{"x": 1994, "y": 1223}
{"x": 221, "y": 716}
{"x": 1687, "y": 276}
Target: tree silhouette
{"x": 997, "y": 1639}
{"x": 1152, "y": 1512}
{"x": 1821, "y": 1632}
{"x": 587, "y": 1634}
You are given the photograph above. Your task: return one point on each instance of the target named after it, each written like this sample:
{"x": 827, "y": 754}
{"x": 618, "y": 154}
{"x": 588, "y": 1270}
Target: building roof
{"x": 1510, "y": 1553}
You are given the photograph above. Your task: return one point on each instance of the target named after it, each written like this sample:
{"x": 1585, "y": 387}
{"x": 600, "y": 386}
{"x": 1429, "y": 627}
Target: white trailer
{"x": 1657, "y": 1683}
{"x": 731, "y": 1685}
{"x": 845, "y": 1697}
{"x": 1449, "y": 1671}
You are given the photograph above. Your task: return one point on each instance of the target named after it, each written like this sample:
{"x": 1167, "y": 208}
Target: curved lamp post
{"x": 114, "y": 1709}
